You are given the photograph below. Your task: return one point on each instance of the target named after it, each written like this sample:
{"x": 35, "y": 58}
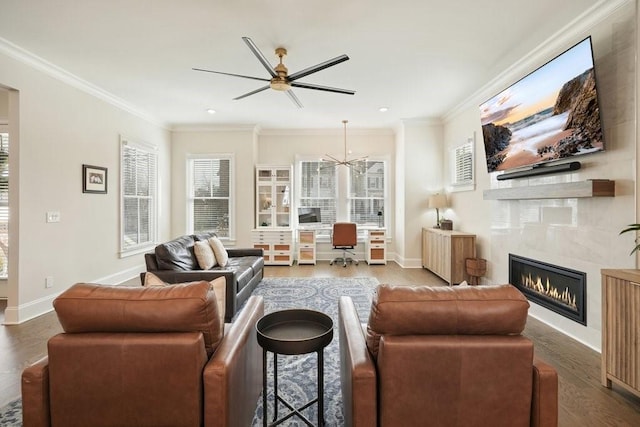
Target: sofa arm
{"x": 544, "y": 402}
{"x": 238, "y": 252}
{"x": 35, "y": 394}
{"x": 233, "y": 376}
{"x": 357, "y": 369}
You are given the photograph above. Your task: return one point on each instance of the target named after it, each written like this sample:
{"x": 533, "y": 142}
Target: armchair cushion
{"x": 424, "y": 310}
{"x": 97, "y": 308}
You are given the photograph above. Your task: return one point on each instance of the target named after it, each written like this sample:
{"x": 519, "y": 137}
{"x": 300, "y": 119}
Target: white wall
{"x": 587, "y": 238}
{"x": 240, "y": 142}
{"x": 420, "y": 174}
{"x": 56, "y": 129}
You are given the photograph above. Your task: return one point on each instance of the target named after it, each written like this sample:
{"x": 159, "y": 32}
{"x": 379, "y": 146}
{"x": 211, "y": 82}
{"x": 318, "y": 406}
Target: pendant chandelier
{"x": 353, "y": 163}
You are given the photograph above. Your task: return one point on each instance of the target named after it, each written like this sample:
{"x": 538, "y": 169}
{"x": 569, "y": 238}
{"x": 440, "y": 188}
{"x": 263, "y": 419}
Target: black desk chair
{"x": 344, "y": 237}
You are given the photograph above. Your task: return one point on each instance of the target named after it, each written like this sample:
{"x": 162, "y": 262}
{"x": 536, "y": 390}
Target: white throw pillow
{"x": 204, "y": 254}
{"x": 222, "y": 257}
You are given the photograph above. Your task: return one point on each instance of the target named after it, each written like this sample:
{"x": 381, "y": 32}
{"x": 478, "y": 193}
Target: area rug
{"x": 296, "y": 374}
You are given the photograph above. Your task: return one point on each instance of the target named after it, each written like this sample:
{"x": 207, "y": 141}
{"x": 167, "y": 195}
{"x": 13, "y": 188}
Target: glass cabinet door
{"x": 273, "y": 197}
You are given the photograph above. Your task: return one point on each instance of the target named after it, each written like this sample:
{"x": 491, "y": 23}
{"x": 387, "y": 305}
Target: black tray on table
{"x": 295, "y": 331}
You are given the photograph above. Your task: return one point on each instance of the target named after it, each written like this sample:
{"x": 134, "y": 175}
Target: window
{"x": 4, "y": 204}
{"x": 462, "y": 178}
{"x": 367, "y": 192}
{"x": 317, "y": 188}
{"x": 210, "y": 200}
{"x": 357, "y": 194}
{"x": 138, "y": 186}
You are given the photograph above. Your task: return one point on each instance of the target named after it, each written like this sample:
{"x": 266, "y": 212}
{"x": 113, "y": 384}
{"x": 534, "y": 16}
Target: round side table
{"x": 296, "y": 331}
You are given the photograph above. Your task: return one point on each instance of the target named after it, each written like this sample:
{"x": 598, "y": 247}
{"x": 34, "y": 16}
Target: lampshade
{"x": 438, "y": 201}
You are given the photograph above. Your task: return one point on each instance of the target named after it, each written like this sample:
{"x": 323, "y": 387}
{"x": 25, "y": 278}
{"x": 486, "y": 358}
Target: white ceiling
{"x": 419, "y": 58}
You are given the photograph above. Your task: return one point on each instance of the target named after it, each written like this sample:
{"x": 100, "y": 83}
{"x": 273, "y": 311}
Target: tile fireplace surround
{"x": 578, "y": 234}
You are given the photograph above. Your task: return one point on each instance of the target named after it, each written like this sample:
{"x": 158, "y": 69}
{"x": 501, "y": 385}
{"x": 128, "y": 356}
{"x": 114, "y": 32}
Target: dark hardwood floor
{"x": 583, "y": 400}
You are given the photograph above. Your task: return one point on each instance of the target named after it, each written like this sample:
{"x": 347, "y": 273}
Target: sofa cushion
{"x": 222, "y": 257}
{"x": 177, "y": 254}
{"x": 443, "y": 310}
{"x": 184, "y": 307}
{"x": 204, "y": 254}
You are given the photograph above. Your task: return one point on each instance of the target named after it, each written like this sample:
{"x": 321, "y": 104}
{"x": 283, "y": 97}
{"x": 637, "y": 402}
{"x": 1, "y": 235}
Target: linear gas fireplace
{"x": 557, "y": 288}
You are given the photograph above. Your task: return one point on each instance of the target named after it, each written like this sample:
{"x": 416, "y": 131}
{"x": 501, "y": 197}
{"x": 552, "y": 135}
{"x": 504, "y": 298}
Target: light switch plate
{"x": 53, "y": 216}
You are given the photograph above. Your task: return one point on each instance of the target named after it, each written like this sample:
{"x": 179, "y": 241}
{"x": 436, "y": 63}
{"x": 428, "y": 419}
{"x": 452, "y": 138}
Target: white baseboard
{"x": 15, "y": 315}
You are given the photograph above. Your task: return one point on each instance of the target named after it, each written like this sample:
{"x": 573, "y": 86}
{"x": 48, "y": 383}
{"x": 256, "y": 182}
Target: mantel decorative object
{"x": 94, "y": 179}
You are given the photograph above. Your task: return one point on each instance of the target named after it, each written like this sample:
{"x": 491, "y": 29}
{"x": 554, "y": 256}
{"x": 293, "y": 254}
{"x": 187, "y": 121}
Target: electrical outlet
{"x": 53, "y": 216}
{"x": 48, "y": 282}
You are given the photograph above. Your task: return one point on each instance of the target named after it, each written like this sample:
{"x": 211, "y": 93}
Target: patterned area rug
{"x": 296, "y": 374}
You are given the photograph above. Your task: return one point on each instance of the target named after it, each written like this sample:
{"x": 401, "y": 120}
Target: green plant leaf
{"x": 631, "y": 227}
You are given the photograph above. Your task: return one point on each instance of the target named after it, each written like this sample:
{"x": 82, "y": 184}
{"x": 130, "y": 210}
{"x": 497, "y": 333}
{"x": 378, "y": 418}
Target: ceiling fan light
{"x": 279, "y": 84}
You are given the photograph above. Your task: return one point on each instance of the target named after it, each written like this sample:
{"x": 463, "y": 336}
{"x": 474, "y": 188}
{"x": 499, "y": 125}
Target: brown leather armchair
{"x": 441, "y": 356}
{"x": 147, "y": 356}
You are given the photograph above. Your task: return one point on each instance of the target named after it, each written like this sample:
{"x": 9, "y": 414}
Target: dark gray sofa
{"x": 175, "y": 262}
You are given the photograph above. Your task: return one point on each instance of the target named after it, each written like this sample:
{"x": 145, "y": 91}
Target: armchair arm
{"x": 238, "y": 252}
{"x": 35, "y": 394}
{"x": 357, "y": 369}
{"x": 544, "y": 403}
{"x": 233, "y": 376}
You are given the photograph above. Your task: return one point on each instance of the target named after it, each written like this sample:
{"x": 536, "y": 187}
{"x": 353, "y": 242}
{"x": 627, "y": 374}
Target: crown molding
{"x": 27, "y": 58}
{"x": 546, "y": 50}
{"x": 331, "y": 131}
{"x": 215, "y": 128}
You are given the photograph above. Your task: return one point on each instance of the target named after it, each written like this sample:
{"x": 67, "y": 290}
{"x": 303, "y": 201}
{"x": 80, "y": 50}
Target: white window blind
{"x": 367, "y": 192}
{"x": 463, "y": 165}
{"x": 317, "y": 188}
{"x": 4, "y": 205}
{"x": 210, "y": 198}
{"x": 138, "y": 187}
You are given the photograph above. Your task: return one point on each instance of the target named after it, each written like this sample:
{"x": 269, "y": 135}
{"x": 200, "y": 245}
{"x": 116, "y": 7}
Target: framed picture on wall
{"x": 94, "y": 179}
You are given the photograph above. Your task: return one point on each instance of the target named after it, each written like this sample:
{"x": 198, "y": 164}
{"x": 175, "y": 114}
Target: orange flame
{"x": 565, "y": 297}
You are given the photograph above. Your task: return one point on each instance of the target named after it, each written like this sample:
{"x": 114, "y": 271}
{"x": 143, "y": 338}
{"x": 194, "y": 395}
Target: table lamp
{"x": 438, "y": 201}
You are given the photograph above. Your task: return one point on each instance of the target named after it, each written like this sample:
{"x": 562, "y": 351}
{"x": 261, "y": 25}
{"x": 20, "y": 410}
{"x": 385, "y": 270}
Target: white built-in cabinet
{"x": 273, "y": 232}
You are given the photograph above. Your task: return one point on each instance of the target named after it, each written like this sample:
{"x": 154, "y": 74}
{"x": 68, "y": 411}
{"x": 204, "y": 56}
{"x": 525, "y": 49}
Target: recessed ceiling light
{"x": 383, "y": 109}
{"x": 211, "y": 111}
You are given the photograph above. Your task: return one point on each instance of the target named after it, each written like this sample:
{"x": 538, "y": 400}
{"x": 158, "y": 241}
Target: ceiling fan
{"x": 280, "y": 79}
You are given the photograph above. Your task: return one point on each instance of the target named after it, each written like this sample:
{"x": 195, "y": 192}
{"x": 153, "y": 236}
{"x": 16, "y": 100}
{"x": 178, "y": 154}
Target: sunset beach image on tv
{"x": 550, "y": 114}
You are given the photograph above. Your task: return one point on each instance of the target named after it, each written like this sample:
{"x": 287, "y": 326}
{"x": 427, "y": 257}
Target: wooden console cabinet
{"x": 621, "y": 329}
{"x": 444, "y": 253}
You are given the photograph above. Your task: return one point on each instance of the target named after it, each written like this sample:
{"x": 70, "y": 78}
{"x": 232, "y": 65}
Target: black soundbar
{"x": 541, "y": 170}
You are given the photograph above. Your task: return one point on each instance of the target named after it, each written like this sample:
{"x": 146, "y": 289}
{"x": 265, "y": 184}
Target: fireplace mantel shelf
{"x": 565, "y": 190}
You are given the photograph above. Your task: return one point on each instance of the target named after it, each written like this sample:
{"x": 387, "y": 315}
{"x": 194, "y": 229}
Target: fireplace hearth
{"x": 559, "y": 289}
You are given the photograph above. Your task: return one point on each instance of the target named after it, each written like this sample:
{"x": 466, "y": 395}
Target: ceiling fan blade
{"x": 316, "y": 68}
{"x": 260, "y": 56}
{"x": 231, "y": 74}
{"x": 253, "y": 92}
{"x": 294, "y": 98}
{"x": 325, "y": 88}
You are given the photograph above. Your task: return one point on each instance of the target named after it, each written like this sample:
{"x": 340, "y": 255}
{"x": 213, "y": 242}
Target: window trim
{"x": 232, "y": 190}
{"x": 153, "y": 229}
{"x": 457, "y": 154}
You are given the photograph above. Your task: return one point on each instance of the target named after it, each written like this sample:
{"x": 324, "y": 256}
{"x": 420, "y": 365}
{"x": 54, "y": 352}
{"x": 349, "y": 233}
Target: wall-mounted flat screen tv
{"x": 309, "y": 216}
{"x": 552, "y": 113}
